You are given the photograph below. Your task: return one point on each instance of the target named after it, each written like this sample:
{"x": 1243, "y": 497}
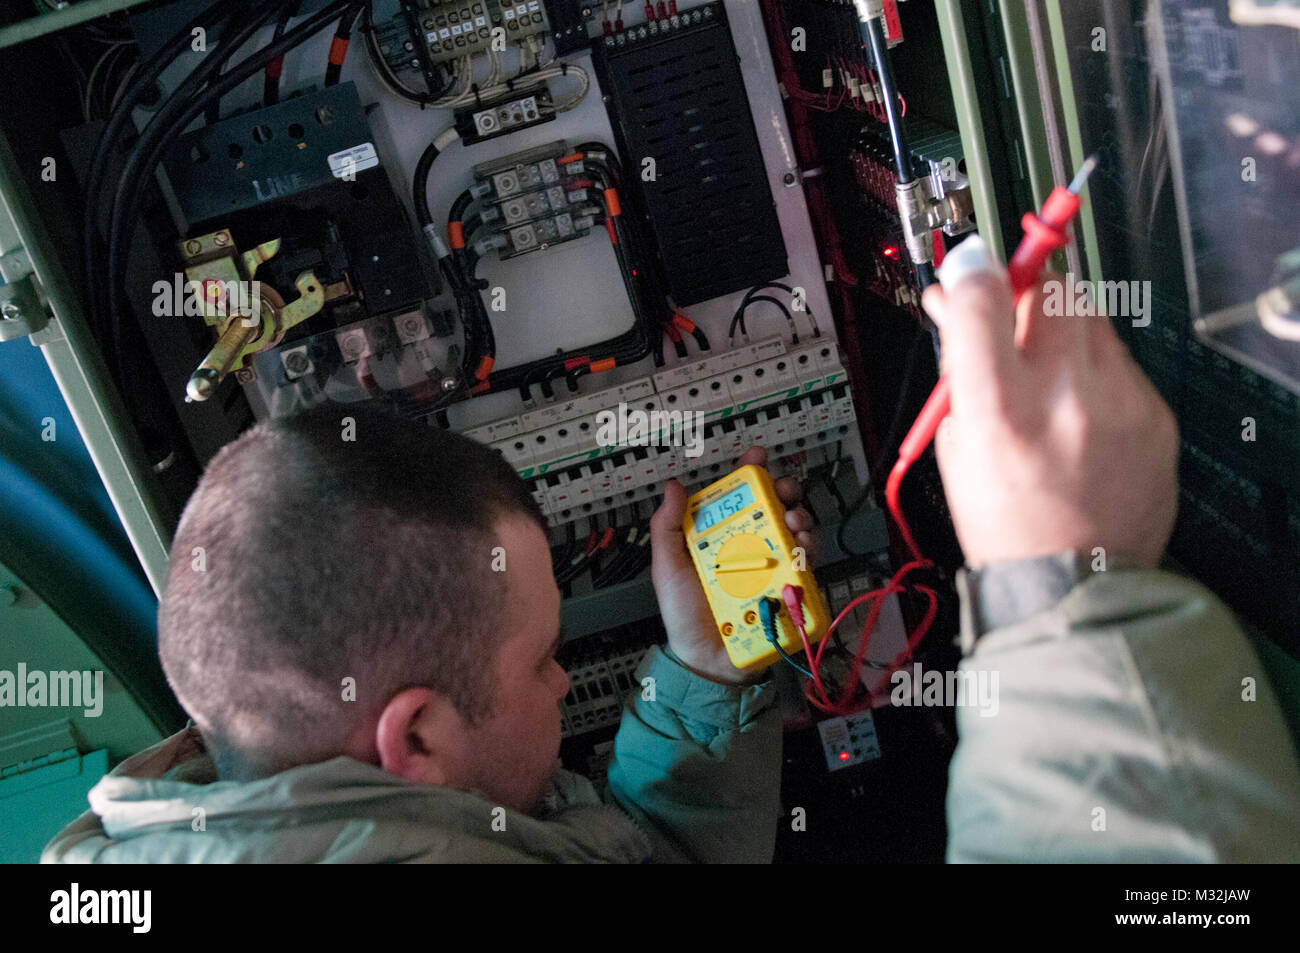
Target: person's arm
{"x": 1124, "y": 727}
{"x": 1125, "y": 731}
{"x": 698, "y": 763}
{"x": 697, "y": 759}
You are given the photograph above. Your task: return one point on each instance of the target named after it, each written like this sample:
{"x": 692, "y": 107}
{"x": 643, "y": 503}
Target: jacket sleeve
{"x": 1133, "y": 723}
{"x": 699, "y": 763}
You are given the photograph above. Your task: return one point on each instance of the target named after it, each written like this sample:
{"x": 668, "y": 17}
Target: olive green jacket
{"x": 1133, "y": 723}
{"x": 696, "y": 776}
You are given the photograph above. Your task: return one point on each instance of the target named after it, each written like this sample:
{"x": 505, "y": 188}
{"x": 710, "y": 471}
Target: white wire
{"x": 464, "y": 94}
{"x": 90, "y": 82}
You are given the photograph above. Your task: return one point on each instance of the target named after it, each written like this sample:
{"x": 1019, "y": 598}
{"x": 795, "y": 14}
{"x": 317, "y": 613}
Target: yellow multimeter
{"x": 745, "y": 554}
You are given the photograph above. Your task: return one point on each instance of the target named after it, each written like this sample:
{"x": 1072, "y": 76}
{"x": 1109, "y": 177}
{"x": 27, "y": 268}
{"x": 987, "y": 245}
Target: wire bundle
{"x": 459, "y": 264}
{"x": 752, "y": 296}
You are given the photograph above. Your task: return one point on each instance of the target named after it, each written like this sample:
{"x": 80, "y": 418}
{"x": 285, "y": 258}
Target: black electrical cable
{"x": 334, "y": 70}
{"x": 874, "y": 36}
{"x": 749, "y": 295}
{"x": 271, "y": 80}
{"x": 114, "y": 133}
{"x": 628, "y": 556}
{"x": 769, "y": 630}
{"x": 212, "y": 115}
{"x": 583, "y": 562}
{"x": 739, "y": 318}
{"x": 567, "y": 550}
{"x": 420, "y": 183}
{"x": 474, "y": 316}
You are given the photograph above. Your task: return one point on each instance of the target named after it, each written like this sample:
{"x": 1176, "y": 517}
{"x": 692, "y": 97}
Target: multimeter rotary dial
{"x": 744, "y": 565}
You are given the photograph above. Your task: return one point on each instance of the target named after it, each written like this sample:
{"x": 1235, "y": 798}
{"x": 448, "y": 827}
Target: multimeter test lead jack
{"x": 1044, "y": 234}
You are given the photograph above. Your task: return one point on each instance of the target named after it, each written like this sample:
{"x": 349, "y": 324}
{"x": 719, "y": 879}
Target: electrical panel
{"x": 599, "y": 240}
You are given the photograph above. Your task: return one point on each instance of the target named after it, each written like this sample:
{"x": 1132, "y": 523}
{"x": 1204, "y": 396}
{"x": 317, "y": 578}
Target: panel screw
{"x": 789, "y": 178}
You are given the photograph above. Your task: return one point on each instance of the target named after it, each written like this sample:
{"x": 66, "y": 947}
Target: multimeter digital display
{"x": 746, "y": 556}
{"x": 729, "y": 505}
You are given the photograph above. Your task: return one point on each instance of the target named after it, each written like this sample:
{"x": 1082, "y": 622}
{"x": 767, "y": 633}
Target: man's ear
{"x": 419, "y": 737}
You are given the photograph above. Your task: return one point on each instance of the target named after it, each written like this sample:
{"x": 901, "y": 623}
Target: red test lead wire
{"x": 1044, "y": 234}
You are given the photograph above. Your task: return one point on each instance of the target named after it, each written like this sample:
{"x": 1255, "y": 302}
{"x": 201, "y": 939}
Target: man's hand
{"x": 1056, "y": 440}
{"x": 692, "y": 632}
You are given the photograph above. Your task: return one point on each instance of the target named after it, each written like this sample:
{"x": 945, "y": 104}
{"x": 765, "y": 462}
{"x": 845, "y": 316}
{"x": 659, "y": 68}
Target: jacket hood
{"x": 166, "y": 806}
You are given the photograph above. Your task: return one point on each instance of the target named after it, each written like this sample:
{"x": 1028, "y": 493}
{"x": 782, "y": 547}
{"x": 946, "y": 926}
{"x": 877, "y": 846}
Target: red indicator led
{"x": 844, "y": 756}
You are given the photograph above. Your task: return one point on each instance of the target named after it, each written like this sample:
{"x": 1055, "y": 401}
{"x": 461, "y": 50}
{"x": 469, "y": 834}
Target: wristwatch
{"x": 1008, "y": 592}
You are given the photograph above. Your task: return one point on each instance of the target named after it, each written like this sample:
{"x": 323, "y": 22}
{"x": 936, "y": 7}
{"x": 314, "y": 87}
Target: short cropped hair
{"x": 343, "y": 543}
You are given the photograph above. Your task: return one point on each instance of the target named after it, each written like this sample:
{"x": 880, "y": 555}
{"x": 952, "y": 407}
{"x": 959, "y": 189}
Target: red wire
{"x": 808, "y": 654}
{"x": 844, "y": 706}
{"x": 893, "y": 486}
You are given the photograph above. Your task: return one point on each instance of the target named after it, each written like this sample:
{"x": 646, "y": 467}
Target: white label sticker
{"x": 349, "y": 162}
{"x": 455, "y": 29}
{"x": 444, "y": 33}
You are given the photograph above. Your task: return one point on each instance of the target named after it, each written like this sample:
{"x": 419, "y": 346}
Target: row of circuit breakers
{"x": 770, "y": 394}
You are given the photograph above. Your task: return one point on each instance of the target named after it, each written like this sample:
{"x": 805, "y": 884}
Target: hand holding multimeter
{"x": 694, "y": 634}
